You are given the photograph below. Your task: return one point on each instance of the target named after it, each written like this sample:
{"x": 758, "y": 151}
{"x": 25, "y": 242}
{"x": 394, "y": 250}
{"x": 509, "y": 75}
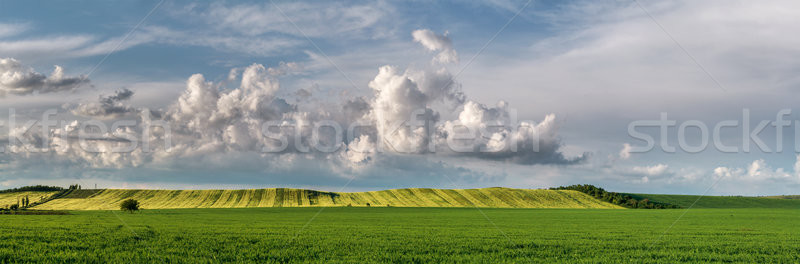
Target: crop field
{"x": 283, "y": 197}
{"x": 404, "y": 235}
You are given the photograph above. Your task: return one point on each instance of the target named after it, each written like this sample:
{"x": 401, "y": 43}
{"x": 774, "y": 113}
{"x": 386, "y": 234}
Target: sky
{"x": 683, "y": 97}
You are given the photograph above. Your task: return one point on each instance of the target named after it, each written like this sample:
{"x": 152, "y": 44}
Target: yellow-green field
{"x": 7, "y": 199}
{"x": 110, "y": 199}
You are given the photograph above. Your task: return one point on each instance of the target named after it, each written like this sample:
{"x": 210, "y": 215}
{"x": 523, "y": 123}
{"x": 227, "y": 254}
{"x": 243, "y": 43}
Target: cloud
{"x": 435, "y": 42}
{"x": 355, "y": 109}
{"x": 759, "y": 171}
{"x": 7, "y": 30}
{"x": 604, "y": 56}
{"x": 501, "y": 137}
{"x": 643, "y": 174}
{"x": 625, "y": 152}
{"x": 251, "y": 125}
{"x": 655, "y": 170}
{"x": 314, "y": 19}
{"x": 202, "y": 122}
{"x": 257, "y": 29}
{"x": 303, "y": 94}
{"x": 397, "y": 99}
{"x": 77, "y": 45}
{"x": 89, "y": 45}
{"x": 18, "y": 79}
{"x": 250, "y": 45}
{"x": 406, "y": 124}
{"x": 107, "y": 107}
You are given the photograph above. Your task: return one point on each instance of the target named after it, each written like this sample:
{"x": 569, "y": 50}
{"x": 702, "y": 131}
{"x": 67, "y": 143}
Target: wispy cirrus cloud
{"x": 319, "y": 19}
{"x": 250, "y": 29}
{"x": 12, "y": 29}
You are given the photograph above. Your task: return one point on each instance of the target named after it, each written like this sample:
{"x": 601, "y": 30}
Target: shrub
{"x": 129, "y": 205}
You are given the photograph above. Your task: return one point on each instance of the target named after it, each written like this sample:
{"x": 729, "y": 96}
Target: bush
{"x": 129, "y": 205}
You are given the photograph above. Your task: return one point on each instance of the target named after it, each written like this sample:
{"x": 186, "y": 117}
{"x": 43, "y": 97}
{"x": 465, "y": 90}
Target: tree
{"x": 129, "y": 205}
{"x": 14, "y": 207}
{"x": 36, "y": 188}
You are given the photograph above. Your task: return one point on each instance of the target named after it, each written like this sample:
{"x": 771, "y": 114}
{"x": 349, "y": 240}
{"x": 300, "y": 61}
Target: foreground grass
{"x": 403, "y": 235}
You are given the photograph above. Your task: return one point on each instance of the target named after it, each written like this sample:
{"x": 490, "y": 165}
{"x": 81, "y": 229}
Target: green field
{"x": 109, "y": 199}
{"x": 790, "y": 197}
{"x": 403, "y": 235}
{"x": 401, "y": 226}
{"x": 720, "y": 201}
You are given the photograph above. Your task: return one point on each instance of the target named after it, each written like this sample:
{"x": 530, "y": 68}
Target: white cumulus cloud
{"x": 435, "y": 42}
{"x": 19, "y": 79}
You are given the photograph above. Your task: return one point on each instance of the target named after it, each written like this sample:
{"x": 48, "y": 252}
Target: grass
{"x": 284, "y": 197}
{"x": 403, "y": 235}
{"x": 720, "y": 201}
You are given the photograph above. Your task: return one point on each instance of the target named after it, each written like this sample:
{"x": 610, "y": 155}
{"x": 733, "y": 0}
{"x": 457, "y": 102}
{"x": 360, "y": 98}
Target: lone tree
{"x": 129, "y": 205}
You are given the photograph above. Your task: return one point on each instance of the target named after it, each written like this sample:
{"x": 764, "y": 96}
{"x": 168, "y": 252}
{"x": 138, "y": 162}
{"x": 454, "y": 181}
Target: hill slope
{"x": 719, "y": 201}
{"x": 10, "y": 198}
{"x": 283, "y": 197}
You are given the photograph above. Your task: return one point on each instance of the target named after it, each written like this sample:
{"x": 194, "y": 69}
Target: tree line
{"x": 35, "y": 188}
{"x": 620, "y": 199}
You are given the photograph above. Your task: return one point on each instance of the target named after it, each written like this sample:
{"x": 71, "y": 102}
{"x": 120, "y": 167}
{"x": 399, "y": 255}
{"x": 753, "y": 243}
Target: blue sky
{"x": 580, "y": 71}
